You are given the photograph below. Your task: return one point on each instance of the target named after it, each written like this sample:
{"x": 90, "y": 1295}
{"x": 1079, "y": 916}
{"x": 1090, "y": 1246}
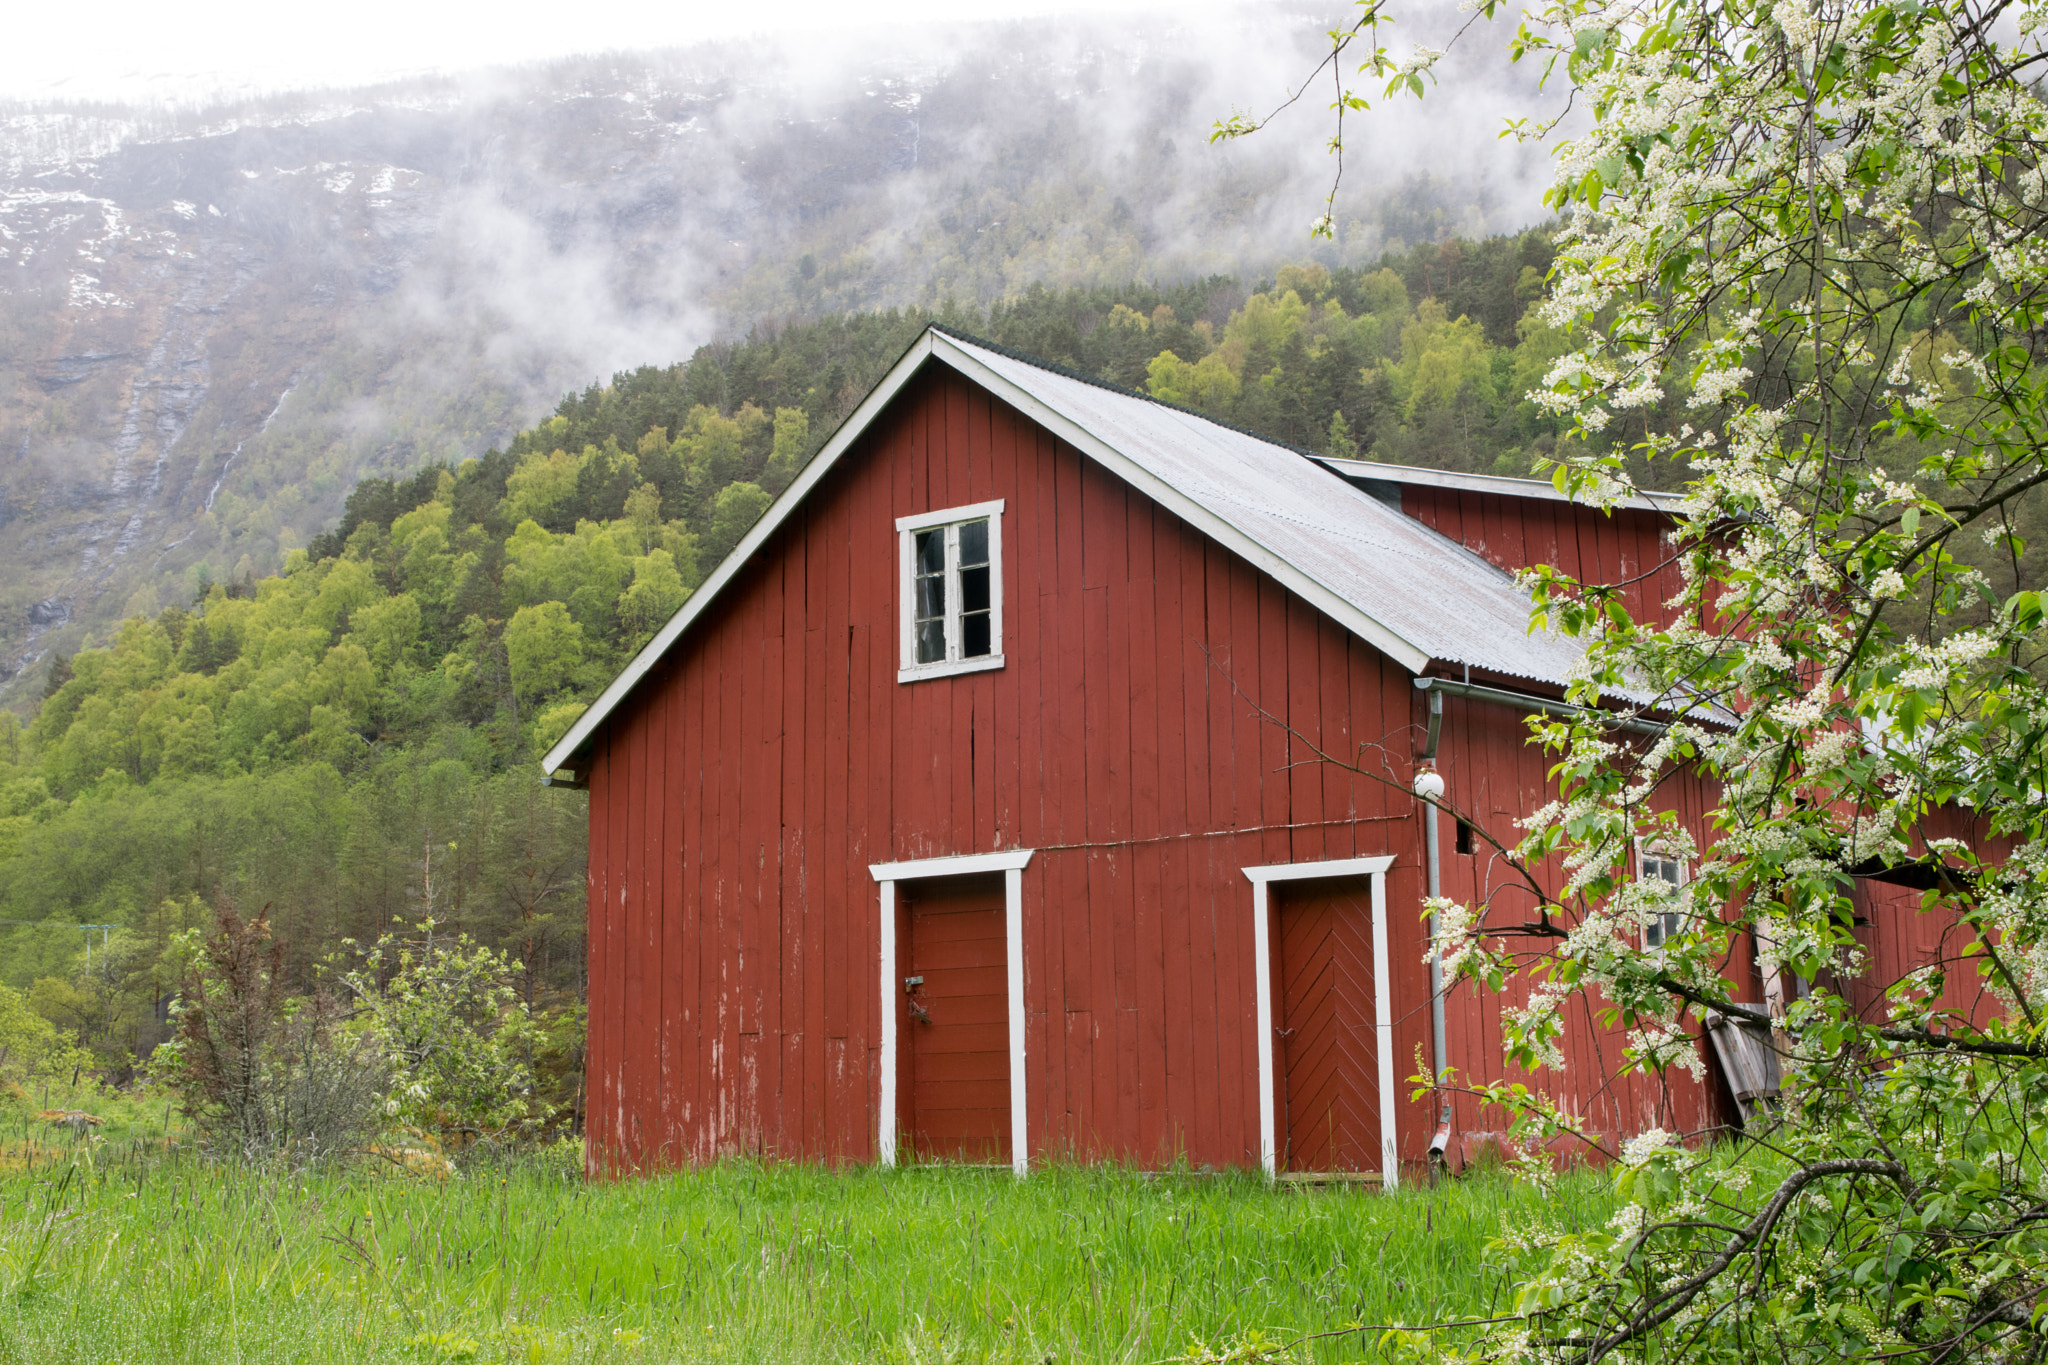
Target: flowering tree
{"x": 1803, "y": 258}
{"x": 448, "y": 1016}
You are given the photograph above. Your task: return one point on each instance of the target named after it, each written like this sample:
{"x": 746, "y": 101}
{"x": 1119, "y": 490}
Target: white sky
{"x": 157, "y": 50}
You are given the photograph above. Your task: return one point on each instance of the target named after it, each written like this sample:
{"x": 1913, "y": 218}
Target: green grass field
{"x": 111, "y": 1254}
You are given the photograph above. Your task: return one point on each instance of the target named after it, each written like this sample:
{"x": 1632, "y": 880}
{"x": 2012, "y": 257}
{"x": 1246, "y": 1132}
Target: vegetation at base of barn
{"x": 117, "y": 1254}
{"x": 464, "y": 1050}
{"x": 419, "y": 1040}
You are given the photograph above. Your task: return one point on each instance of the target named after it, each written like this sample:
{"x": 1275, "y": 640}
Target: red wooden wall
{"x": 1493, "y": 775}
{"x": 739, "y": 796}
{"x": 1626, "y": 546}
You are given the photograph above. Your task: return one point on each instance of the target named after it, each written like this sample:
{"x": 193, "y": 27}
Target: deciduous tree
{"x": 1804, "y": 260}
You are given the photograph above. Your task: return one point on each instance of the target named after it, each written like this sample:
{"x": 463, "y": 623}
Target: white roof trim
{"x": 1484, "y": 483}
{"x": 936, "y": 344}
{"x": 777, "y": 513}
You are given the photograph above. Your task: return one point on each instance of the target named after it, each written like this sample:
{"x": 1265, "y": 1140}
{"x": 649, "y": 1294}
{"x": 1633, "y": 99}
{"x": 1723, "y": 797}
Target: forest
{"x": 352, "y": 742}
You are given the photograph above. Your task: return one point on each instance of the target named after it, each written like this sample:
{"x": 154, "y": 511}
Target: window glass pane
{"x": 974, "y": 636}
{"x": 974, "y": 589}
{"x": 931, "y": 642}
{"x": 931, "y": 551}
{"x": 931, "y": 597}
{"x": 974, "y": 542}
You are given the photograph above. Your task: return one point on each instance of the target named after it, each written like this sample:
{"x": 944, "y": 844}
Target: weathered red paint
{"x": 953, "y": 1089}
{"x": 1152, "y": 734}
{"x": 1628, "y": 546}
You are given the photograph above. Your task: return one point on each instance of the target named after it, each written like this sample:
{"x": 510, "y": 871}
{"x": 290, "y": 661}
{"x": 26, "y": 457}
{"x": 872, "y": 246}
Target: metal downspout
{"x": 1429, "y": 785}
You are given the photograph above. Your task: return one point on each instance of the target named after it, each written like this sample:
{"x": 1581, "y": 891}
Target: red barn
{"x": 975, "y": 807}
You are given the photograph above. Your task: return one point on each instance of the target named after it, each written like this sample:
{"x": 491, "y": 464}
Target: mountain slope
{"x": 213, "y": 322}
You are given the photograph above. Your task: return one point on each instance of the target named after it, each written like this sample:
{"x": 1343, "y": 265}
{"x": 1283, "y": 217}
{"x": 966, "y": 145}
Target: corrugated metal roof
{"x": 1450, "y": 605}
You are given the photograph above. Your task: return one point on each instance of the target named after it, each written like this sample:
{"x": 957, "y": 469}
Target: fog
{"x": 427, "y": 265}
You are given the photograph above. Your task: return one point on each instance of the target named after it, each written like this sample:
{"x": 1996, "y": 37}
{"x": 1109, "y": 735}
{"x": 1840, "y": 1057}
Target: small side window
{"x": 952, "y": 591}
{"x": 1659, "y": 866}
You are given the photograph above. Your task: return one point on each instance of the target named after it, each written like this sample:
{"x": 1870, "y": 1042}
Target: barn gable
{"x": 1518, "y": 523}
{"x": 1419, "y": 597}
{"x": 773, "y": 811}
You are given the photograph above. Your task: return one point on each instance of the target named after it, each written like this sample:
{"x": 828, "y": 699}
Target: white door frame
{"x": 1011, "y": 865}
{"x": 1383, "y": 1013}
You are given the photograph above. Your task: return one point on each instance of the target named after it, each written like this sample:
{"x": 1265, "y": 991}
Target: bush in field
{"x": 32, "y": 1048}
{"x": 449, "y": 1018}
{"x": 418, "y": 1031}
{"x": 258, "y": 1071}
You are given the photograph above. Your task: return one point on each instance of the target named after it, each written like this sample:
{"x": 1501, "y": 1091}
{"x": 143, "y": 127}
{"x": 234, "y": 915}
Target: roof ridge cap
{"x": 1097, "y": 381}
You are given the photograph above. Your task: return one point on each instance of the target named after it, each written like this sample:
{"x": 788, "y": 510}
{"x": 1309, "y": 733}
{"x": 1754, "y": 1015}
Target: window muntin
{"x": 952, "y": 591}
{"x": 1657, "y": 865}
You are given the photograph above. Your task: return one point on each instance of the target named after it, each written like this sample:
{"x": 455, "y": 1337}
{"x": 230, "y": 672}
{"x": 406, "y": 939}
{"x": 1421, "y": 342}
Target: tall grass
{"x": 145, "y": 1258}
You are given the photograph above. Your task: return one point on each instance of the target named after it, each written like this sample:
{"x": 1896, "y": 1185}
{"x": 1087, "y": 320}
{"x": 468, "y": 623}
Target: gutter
{"x": 1524, "y": 702}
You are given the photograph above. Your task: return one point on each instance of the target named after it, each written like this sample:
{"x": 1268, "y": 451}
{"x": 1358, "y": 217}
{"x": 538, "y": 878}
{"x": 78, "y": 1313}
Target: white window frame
{"x": 909, "y": 669}
{"x": 1646, "y": 850}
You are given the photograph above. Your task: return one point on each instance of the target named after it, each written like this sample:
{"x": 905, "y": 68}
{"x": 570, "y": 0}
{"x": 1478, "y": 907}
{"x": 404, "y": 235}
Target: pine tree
{"x": 1340, "y": 445}
{"x": 60, "y": 673}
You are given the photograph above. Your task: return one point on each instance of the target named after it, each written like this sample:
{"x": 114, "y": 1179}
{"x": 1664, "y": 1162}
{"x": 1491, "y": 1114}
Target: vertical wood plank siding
{"x": 738, "y": 797}
{"x": 1511, "y": 533}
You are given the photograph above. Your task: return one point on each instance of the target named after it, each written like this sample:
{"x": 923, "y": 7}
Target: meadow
{"x": 120, "y": 1251}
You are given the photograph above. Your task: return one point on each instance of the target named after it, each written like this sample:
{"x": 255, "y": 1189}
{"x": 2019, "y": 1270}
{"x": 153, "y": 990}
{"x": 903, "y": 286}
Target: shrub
{"x": 460, "y": 1041}
{"x": 258, "y": 1072}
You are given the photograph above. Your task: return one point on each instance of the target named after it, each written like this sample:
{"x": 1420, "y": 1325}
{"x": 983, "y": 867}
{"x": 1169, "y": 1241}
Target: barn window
{"x": 952, "y": 591}
{"x": 1660, "y": 866}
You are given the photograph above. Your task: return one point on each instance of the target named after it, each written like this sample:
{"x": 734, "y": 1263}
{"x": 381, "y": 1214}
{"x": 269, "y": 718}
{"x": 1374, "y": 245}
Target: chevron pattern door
{"x": 1329, "y": 1119}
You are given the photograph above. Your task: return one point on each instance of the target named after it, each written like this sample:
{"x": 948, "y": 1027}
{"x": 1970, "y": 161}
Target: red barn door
{"x": 956, "y": 1008}
{"x": 1330, "y": 1117}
